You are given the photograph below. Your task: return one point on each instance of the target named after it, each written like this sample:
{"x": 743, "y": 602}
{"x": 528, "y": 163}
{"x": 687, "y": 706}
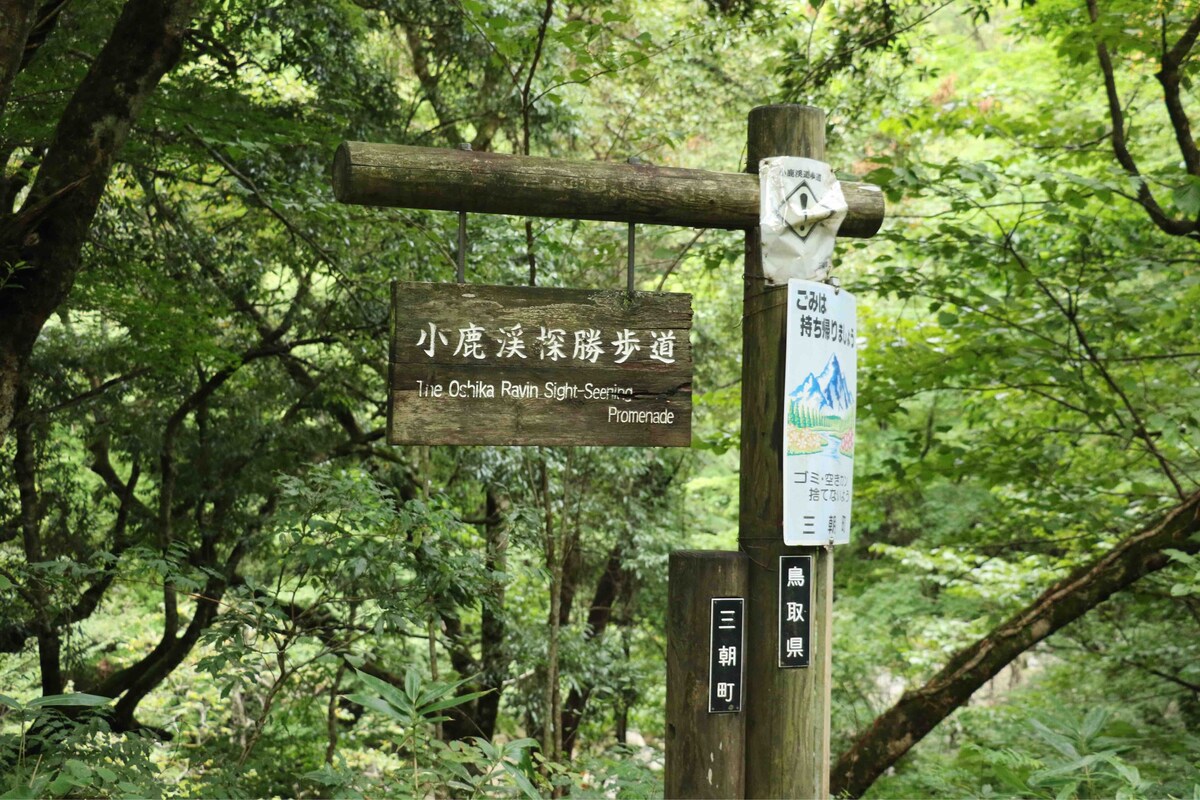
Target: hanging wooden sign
{"x": 513, "y": 365}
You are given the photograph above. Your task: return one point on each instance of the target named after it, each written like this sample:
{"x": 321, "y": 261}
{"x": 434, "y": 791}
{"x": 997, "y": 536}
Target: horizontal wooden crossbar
{"x": 493, "y": 183}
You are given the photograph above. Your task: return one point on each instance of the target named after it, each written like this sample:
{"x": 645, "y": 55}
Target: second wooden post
{"x": 787, "y": 710}
{"x": 705, "y": 750}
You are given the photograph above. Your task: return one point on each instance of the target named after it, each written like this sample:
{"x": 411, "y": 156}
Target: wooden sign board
{"x": 513, "y": 365}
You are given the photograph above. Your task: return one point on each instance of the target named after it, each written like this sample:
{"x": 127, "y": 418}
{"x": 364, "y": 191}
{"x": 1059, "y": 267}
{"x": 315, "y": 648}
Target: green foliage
{"x": 213, "y": 504}
{"x": 471, "y": 768}
{"x": 66, "y": 749}
{"x": 1023, "y": 328}
{"x": 1050, "y": 756}
{"x": 1189, "y": 585}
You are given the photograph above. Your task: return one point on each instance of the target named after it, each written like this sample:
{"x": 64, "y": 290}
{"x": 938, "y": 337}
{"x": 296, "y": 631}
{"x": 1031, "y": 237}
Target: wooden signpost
{"x": 777, "y": 744}
{"x": 789, "y": 734}
{"x": 522, "y": 365}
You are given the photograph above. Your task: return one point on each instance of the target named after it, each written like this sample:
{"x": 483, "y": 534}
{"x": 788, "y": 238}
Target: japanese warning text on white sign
{"x": 820, "y": 391}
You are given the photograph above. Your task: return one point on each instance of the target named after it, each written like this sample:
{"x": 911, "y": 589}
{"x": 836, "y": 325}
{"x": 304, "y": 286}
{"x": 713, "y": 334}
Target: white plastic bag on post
{"x": 801, "y": 208}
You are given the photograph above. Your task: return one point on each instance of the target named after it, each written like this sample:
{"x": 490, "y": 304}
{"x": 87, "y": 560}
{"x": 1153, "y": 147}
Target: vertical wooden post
{"x": 787, "y": 710}
{"x": 705, "y": 752}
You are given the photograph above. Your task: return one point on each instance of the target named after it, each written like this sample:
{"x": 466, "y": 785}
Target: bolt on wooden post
{"x": 787, "y": 710}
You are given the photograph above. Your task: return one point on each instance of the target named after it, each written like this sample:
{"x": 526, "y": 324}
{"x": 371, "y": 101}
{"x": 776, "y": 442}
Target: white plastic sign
{"x": 801, "y": 207}
{"x": 820, "y": 392}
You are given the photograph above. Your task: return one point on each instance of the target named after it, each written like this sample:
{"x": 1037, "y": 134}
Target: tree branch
{"x": 612, "y": 582}
{"x": 526, "y": 104}
{"x": 1097, "y": 363}
{"x": 919, "y": 711}
{"x": 47, "y": 235}
{"x": 1170, "y": 77}
{"x": 19, "y": 17}
{"x": 1116, "y": 113}
{"x": 44, "y": 21}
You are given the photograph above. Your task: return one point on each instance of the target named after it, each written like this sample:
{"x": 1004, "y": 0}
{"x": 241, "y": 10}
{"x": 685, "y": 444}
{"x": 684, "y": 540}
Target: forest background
{"x": 217, "y": 580}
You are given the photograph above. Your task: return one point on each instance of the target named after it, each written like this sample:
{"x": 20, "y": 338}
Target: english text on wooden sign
{"x": 513, "y": 365}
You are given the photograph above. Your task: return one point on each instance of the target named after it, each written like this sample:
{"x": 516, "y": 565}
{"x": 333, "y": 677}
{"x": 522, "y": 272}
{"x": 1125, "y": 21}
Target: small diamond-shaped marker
{"x": 808, "y": 199}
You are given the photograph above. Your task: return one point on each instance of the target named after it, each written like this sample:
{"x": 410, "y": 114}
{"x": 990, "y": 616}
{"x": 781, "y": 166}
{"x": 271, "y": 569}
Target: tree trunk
{"x": 918, "y": 711}
{"x": 142, "y": 678}
{"x": 599, "y": 615}
{"x": 478, "y": 717}
{"x": 493, "y": 654}
{"x": 19, "y": 17}
{"x": 44, "y": 238}
{"x": 554, "y": 564}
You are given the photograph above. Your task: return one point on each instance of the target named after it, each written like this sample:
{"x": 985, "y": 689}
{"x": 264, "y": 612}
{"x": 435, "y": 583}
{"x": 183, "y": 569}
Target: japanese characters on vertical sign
{"x": 795, "y": 610}
{"x": 725, "y": 667}
{"x": 475, "y": 364}
{"x": 820, "y": 392}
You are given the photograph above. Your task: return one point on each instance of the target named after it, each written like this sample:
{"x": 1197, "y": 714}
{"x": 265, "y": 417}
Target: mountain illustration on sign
{"x": 821, "y": 414}
{"x": 827, "y": 391}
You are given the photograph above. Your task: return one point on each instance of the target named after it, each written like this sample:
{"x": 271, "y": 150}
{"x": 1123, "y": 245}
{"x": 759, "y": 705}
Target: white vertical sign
{"x": 820, "y": 392}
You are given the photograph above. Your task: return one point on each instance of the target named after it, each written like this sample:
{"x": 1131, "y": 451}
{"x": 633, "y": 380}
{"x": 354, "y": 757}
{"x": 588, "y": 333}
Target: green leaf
{"x": 376, "y": 704}
{"x": 1187, "y": 197}
{"x": 517, "y": 746}
{"x": 488, "y": 749}
{"x": 1128, "y": 772}
{"x": 1056, "y": 740}
{"x": 1067, "y": 792}
{"x": 75, "y": 699}
{"x": 384, "y": 689}
{"x": 22, "y": 791}
{"x": 527, "y": 788}
{"x": 5, "y": 700}
{"x": 458, "y": 769}
{"x": 1094, "y": 722}
{"x": 61, "y": 784}
{"x": 451, "y": 702}
{"x": 412, "y": 685}
{"x": 1180, "y": 556}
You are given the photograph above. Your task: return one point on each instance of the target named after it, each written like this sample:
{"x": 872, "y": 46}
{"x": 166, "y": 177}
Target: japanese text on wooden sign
{"x": 795, "y": 610}
{"x": 820, "y": 393}
{"x": 725, "y": 668}
{"x": 515, "y": 365}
